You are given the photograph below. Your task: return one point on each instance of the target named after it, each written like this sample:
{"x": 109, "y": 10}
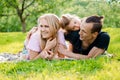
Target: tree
{"x": 14, "y": 13}
{"x": 25, "y": 8}
{"x": 20, "y": 6}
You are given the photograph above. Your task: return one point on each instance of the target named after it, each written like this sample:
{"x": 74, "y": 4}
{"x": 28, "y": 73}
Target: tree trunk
{"x": 23, "y": 26}
{"x": 22, "y": 19}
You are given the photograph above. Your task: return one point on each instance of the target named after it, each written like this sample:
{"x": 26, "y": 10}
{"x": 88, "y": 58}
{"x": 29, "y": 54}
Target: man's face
{"x": 45, "y": 29}
{"x": 85, "y": 31}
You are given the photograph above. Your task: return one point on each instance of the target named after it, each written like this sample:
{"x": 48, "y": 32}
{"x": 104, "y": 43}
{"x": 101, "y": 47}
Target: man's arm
{"x": 70, "y": 54}
{"x": 100, "y": 46}
{"x": 94, "y": 52}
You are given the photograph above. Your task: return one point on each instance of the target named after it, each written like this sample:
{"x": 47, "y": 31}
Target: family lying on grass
{"x": 48, "y": 40}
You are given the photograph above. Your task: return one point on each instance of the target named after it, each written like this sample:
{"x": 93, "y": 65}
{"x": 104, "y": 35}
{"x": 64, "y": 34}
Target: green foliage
{"x": 102, "y": 8}
{"x": 10, "y": 24}
{"x": 109, "y": 9}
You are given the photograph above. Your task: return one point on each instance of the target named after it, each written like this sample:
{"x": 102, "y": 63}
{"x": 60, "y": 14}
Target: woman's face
{"x": 74, "y": 24}
{"x": 45, "y": 29}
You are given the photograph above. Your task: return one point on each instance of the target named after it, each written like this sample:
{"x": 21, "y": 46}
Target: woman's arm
{"x": 33, "y": 55}
{"x": 47, "y": 51}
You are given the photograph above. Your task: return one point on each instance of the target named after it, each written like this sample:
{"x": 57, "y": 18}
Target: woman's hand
{"x": 51, "y": 55}
{"x": 44, "y": 54}
{"x": 47, "y": 54}
{"x": 50, "y": 44}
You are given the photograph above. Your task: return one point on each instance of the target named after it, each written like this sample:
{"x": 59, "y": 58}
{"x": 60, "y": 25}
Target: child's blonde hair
{"x": 66, "y": 18}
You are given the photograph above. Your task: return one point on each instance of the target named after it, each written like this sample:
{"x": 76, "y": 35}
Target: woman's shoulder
{"x": 35, "y": 35}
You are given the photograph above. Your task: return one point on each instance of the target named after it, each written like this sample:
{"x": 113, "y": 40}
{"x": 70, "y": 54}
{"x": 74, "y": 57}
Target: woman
{"x": 43, "y": 42}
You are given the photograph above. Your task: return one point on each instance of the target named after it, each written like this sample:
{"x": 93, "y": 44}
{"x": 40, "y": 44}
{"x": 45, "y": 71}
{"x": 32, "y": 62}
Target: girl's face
{"x": 45, "y": 29}
{"x": 74, "y": 24}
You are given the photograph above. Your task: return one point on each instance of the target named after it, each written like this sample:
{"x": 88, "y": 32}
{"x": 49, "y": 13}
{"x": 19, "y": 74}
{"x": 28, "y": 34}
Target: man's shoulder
{"x": 104, "y": 35}
{"x": 102, "y": 40}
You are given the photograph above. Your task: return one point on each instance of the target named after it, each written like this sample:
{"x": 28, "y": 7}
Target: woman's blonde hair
{"x": 53, "y": 22}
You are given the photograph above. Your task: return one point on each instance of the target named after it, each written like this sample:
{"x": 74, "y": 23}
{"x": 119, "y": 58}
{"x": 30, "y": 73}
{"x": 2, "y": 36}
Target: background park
{"x": 17, "y": 17}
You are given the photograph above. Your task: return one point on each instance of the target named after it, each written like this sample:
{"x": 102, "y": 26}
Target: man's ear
{"x": 95, "y": 34}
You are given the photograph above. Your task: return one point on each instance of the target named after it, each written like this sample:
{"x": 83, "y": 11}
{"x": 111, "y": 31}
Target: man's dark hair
{"x": 97, "y": 23}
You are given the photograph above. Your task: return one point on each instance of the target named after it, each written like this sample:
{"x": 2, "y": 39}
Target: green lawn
{"x": 100, "y": 68}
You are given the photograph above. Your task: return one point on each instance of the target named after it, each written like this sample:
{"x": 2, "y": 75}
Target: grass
{"x": 11, "y": 42}
{"x": 100, "y": 68}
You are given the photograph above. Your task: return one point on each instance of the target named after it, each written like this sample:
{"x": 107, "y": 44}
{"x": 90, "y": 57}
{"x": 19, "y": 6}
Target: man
{"x": 90, "y": 42}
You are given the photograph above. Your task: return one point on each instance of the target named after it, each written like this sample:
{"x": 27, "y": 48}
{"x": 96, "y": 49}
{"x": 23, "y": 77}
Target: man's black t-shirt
{"x": 102, "y": 41}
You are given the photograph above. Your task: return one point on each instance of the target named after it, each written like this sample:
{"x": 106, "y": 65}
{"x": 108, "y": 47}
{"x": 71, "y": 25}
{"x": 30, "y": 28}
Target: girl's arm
{"x": 70, "y": 47}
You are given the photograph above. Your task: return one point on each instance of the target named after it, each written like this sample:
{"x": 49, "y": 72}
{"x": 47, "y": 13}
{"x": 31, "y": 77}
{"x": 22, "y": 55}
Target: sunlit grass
{"x": 52, "y": 70}
{"x": 114, "y": 46}
{"x": 12, "y": 48}
{"x": 110, "y": 71}
{"x": 100, "y": 68}
{"x": 11, "y": 42}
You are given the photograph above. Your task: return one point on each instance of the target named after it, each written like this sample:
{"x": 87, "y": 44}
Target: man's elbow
{"x": 82, "y": 57}
{"x": 89, "y": 56}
